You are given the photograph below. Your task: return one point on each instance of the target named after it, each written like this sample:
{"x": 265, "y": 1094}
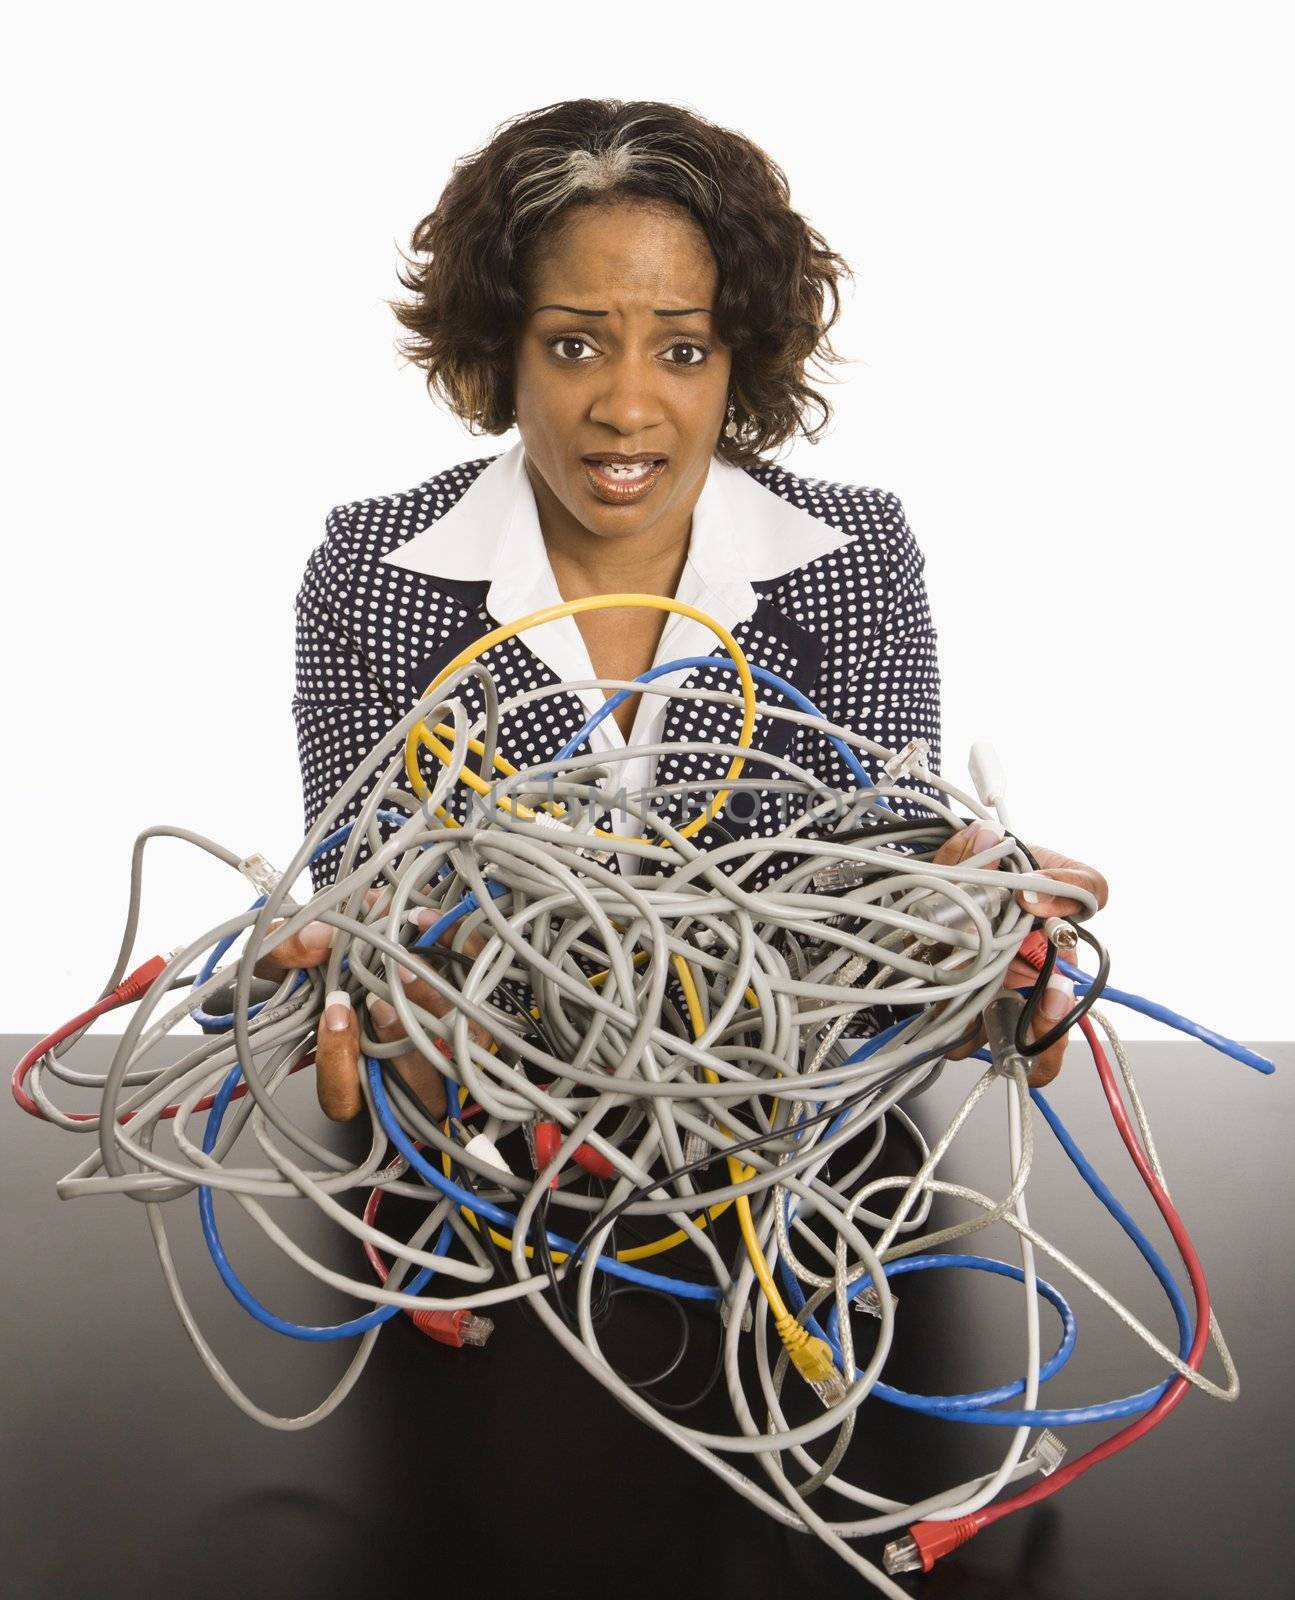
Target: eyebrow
{"x": 581, "y": 311}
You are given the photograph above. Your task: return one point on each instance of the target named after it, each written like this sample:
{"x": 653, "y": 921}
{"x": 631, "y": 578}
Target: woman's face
{"x": 617, "y": 355}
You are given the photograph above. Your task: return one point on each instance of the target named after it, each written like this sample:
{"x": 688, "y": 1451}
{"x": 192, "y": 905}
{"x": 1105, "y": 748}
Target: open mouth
{"x": 622, "y": 480}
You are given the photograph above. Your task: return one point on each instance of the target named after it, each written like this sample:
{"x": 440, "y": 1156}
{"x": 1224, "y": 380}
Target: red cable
{"x": 457, "y": 1327}
{"x": 935, "y": 1539}
{"x": 450, "y": 1327}
{"x": 127, "y": 991}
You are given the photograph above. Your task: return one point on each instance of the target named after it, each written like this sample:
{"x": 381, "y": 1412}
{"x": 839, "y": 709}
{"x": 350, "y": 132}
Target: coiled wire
{"x": 576, "y": 978}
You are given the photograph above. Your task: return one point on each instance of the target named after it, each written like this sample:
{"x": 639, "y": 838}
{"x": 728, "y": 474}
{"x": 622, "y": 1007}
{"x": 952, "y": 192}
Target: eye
{"x": 700, "y": 356}
{"x": 568, "y": 338}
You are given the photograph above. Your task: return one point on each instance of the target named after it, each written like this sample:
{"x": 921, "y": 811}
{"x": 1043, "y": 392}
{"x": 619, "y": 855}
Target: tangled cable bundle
{"x": 635, "y": 1053}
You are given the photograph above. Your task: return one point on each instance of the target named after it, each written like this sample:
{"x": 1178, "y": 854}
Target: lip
{"x": 621, "y": 457}
{"x": 614, "y": 493}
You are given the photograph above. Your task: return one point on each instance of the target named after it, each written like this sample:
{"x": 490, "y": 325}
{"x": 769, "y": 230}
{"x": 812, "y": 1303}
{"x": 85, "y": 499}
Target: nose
{"x": 627, "y": 400}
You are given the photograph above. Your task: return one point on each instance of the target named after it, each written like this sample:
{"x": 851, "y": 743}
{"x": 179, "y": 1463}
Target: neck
{"x": 650, "y": 562}
{"x": 590, "y": 565}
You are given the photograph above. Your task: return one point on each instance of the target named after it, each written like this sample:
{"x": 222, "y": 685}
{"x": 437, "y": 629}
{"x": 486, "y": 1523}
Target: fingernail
{"x": 406, "y": 976}
{"x": 986, "y": 836}
{"x": 381, "y": 1011}
{"x": 316, "y": 936}
{"x": 1033, "y": 900}
{"x": 420, "y": 916}
{"x": 1058, "y": 997}
{"x": 337, "y": 1011}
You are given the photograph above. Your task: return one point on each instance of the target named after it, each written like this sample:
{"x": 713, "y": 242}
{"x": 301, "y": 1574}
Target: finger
{"x": 972, "y": 840}
{"x": 1020, "y": 974}
{"x": 423, "y": 994}
{"x": 424, "y": 917}
{"x": 1039, "y": 904}
{"x": 978, "y": 1041}
{"x": 1058, "y": 999}
{"x": 337, "y": 1059}
{"x": 308, "y": 948}
{"x": 969, "y": 841}
{"x": 412, "y": 1066}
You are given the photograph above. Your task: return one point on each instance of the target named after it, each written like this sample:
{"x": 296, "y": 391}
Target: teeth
{"x": 621, "y": 469}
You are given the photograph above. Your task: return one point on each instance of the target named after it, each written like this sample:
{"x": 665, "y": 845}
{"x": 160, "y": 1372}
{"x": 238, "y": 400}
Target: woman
{"x": 628, "y": 286}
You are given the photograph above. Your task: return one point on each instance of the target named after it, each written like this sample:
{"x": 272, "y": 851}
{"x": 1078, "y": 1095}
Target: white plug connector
{"x": 485, "y": 1150}
{"x": 987, "y": 773}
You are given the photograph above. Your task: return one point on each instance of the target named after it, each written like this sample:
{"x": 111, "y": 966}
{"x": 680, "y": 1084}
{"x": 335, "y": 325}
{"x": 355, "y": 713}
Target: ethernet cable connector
{"x": 831, "y": 1391}
{"x": 902, "y": 763}
{"x": 842, "y": 875}
{"x": 259, "y": 873}
{"x": 1048, "y": 1452}
{"x": 868, "y": 1301}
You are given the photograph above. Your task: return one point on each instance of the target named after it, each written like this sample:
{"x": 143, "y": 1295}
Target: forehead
{"x": 632, "y": 252}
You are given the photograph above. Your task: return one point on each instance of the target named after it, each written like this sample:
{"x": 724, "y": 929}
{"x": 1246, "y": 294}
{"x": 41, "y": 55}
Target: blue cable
{"x": 468, "y": 903}
{"x": 758, "y": 673}
{"x": 1149, "y": 1008}
{"x": 235, "y": 1285}
{"x": 953, "y": 1403}
{"x": 1183, "y": 1317}
{"x": 957, "y": 1408}
{"x": 494, "y": 1213}
{"x": 207, "y": 1020}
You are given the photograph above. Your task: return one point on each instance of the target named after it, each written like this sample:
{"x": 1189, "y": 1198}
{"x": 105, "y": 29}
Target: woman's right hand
{"x": 337, "y": 1040}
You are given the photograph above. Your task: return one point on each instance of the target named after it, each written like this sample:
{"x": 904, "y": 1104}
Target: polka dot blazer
{"x": 851, "y": 629}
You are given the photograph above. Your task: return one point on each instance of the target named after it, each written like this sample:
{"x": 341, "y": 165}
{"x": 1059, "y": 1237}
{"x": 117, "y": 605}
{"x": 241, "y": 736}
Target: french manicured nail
{"x": 421, "y": 917}
{"x": 1058, "y": 997}
{"x": 383, "y": 1013}
{"x": 406, "y": 976}
{"x": 316, "y": 936}
{"x": 337, "y": 1011}
{"x": 1033, "y": 900}
{"x": 986, "y": 836}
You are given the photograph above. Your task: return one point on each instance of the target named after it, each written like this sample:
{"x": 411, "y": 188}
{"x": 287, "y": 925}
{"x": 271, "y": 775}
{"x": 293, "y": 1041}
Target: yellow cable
{"x": 421, "y": 734}
{"x": 811, "y": 1357}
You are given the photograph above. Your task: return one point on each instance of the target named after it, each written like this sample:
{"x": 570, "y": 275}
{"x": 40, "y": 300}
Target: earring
{"x": 730, "y": 427}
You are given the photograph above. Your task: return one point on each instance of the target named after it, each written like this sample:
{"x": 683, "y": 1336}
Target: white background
{"x": 1071, "y": 348}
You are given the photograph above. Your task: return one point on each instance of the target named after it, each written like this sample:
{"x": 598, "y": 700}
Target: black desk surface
{"x": 479, "y": 1472}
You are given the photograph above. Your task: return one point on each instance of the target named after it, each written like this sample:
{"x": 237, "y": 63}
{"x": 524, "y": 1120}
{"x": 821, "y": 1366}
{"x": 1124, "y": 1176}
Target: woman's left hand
{"x": 1058, "y": 998}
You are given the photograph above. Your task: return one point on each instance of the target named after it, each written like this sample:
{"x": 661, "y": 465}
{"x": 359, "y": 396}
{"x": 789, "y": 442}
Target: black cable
{"x": 601, "y": 1307}
{"x": 503, "y": 1263}
{"x": 1025, "y": 1046}
{"x": 900, "y": 825}
{"x": 690, "y": 1405}
{"x": 389, "y": 1071}
{"x": 545, "y": 1259}
{"x": 677, "y": 1304}
{"x": 1036, "y": 1047}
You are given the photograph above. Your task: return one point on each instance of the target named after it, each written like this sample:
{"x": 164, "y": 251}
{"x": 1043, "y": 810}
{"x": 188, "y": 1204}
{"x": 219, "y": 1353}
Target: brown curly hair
{"x": 507, "y": 198}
